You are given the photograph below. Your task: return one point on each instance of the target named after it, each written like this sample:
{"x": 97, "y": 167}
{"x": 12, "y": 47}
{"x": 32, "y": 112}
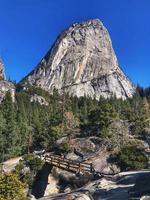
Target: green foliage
{"x": 11, "y": 138}
{"x": 33, "y": 162}
{"x": 115, "y": 135}
{"x": 131, "y": 157}
{"x": 25, "y": 126}
{"x": 2, "y": 136}
{"x": 56, "y": 132}
{"x": 65, "y": 147}
{"x": 138, "y": 125}
{"x": 102, "y": 116}
{"x": 11, "y": 188}
{"x": 105, "y": 133}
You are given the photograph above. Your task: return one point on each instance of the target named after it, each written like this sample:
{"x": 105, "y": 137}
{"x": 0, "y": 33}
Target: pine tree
{"x": 3, "y": 139}
{"x": 11, "y": 132}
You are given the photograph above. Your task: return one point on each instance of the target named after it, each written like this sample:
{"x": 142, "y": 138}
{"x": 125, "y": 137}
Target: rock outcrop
{"x": 52, "y": 187}
{"x": 122, "y": 186}
{"x": 39, "y": 99}
{"x": 2, "y": 73}
{"x": 82, "y": 62}
{"x": 5, "y": 86}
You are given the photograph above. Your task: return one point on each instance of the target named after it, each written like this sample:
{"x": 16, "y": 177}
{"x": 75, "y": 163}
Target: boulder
{"x": 65, "y": 176}
{"x": 73, "y": 156}
{"x": 39, "y": 99}
{"x": 82, "y": 197}
{"x": 52, "y": 187}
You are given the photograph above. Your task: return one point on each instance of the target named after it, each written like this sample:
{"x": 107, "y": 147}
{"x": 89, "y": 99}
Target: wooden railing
{"x": 69, "y": 165}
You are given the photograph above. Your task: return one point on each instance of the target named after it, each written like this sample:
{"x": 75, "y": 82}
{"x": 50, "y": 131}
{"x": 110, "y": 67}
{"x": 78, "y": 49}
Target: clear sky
{"x": 28, "y": 28}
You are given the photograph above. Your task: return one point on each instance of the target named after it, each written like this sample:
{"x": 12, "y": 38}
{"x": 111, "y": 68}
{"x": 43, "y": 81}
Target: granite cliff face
{"x": 5, "y": 86}
{"x": 82, "y": 62}
{"x": 2, "y": 73}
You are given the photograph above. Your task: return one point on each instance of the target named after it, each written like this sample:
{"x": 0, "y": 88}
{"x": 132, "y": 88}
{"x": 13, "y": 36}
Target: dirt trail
{"x": 10, "y": 164}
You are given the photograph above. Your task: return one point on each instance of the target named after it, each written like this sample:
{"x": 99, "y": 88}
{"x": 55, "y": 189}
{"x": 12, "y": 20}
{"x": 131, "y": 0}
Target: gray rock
{"x": 39, "y": 99}
{"x": 145, "y": 198}
{"x": 82, "y": 197}
{"x": 115, "y": 188}
{"x": 82, "y": 62}
{"x": 32, "y": 197}
{"x": 119, "y": 135}
{"x": 69, "y": 196}
{"x": 6, "y": 86}
{"x": 84, "y": 145}
{"x": 147, "y": 135}
{"x": 2, "y": 70}
{"x": 110, "y": 169}
{"x": 67, "y": 190}
{"x": 65, "y": 175}
{"x": 72, "y": 156}
{"x": 52, "y": 187}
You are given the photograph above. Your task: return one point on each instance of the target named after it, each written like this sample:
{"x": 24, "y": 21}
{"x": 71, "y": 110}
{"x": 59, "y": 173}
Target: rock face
{"x": 52, "y": 187}
{"x": 39, "y": 99}
{"x": 2, "y": 69}
{"x": 82, "y": 62}
{"x": 119, "y": 187}
{"x": 5, "y": 86}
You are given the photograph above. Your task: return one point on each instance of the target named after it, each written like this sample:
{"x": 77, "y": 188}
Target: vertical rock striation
{"x": 5, "y": 86}
{"x": 2, "y": 70}
{"x": 82, "y": 62}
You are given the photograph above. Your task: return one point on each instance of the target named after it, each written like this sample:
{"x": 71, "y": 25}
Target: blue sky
{"x": 28, "y": 28}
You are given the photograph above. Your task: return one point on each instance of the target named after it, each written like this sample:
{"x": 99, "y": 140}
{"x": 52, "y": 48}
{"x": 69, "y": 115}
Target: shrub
{"x": 11, "y": 188}
{"x": 65, "y": 147}
{"x": 33, "y": 162}
{"x": 132, "y": 157}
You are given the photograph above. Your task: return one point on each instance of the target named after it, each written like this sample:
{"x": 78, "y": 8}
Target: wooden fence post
{"x": 79, "y": 167}
{"x": 91, "y": 168}
{"x": 68, "y": 165}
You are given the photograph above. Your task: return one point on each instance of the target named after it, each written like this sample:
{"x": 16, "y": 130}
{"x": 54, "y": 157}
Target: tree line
{"x": 26, "y": 126}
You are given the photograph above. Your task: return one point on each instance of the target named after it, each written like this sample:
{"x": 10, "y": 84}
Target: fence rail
{"x": 69, "y": 165}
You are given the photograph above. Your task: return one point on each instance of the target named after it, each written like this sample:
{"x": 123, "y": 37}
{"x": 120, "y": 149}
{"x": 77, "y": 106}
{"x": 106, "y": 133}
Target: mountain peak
{"x": 82, "y": 62}
{"x": 89, "y": 22}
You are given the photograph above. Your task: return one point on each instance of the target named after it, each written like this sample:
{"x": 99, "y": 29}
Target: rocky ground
{"x": 10, "y": 164}
{"x": 119, "y": 187}
{"x": 63, "y": 185}
{"x": 55, "y": 184}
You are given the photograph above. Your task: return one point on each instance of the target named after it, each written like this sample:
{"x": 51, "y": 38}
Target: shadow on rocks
{"x": 41, "y": 181}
